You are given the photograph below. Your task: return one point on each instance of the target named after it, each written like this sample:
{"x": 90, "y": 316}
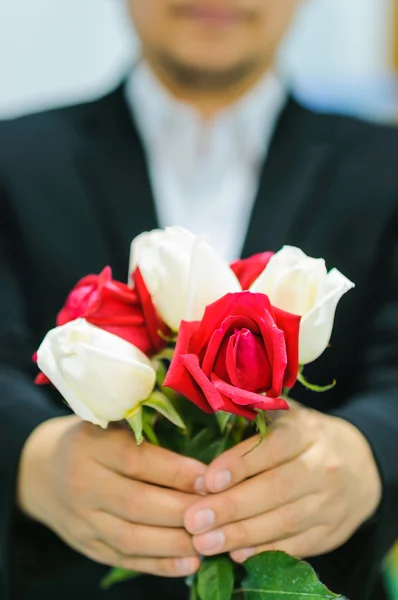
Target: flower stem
{"x": 312, "y": 387}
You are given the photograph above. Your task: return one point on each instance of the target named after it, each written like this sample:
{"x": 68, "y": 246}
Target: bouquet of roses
{"x": 193, "y": 353}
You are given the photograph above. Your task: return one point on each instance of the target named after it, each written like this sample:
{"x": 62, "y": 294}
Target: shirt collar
{"x": 249, "y": 123}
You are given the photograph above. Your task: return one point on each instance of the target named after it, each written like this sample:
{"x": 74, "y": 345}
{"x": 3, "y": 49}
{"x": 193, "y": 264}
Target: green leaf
{"x": 278, "y": 576}
{"x": 312, "y": 387}
{"x": 117, "y": 576}
{"x": 198, "y": 446}
{"x": 162, "y": 404}
{"x": 193, "y": 417}
{"x": 223, "y": 418}
{"x": 216, "y": 579}
{"x": 148, "y": 422}
{"x": 171, "y": 437}
{"x": 193, "y": 592}
{"x": 161, "y": 372}
{"x": 134, "y": 419}
{"x": 165, "y": 354}
{"x": 214, "y": 449}
{"x": 169, "y": 339}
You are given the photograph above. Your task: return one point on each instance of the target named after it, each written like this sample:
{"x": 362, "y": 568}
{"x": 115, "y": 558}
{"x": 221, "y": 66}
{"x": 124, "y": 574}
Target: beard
{"x": 206, "y": 79}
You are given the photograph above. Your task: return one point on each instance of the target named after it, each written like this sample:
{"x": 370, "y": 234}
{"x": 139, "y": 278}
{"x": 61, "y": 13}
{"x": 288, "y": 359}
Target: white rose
{"x": 301, "y": 285}
{"x": 182, "y": 272}
{"x": 101, "y": 376}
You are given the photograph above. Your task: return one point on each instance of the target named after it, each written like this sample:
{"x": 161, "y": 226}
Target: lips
{"x": 211, "y": 15}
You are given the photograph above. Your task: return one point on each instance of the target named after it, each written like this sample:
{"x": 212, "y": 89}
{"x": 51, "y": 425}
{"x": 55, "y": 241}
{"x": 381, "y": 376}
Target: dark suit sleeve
{"x": 23, "y": 406}
{"x": 374, "y": 411}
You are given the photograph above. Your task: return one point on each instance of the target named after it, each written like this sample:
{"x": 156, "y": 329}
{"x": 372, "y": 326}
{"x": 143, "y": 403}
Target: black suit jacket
{"x": 74, "y": 191}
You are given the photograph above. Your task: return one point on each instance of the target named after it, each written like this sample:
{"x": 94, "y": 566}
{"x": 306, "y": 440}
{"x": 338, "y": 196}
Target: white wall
{"x": 339, "y": 55}
{"x": 56, "y": 51}
{"x": 342, "y": 38}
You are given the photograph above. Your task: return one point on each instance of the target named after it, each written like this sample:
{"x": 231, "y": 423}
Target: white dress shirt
{"x": 205, "y": 173}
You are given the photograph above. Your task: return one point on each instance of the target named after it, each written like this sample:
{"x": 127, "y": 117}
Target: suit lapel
{"x": 291, "y": 184}
{"x": 114, "y": 170}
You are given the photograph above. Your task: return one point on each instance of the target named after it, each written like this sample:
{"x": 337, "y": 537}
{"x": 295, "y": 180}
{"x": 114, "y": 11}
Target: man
{"x": 203, "y": 135}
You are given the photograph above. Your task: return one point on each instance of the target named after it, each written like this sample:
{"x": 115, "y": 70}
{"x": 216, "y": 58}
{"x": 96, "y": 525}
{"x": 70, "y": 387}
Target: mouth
{"x": 210, "y": 16}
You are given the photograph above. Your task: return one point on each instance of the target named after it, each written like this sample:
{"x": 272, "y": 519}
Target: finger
{"x": 150, "y": 463}
{"x": 304, "y": 545}
{"x": 143, "y": 541}
{"x": 163, "y": 567}
{"x": 288, "y": 437}
{"x": 283, "y": 523}
{"x": 143, "y": 503}
{"x": 260, "y": 494}
{"x": 276, "y": 415}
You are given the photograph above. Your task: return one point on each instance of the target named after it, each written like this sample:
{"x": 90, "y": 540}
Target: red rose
{"x": 238, "y": 358}
{"x": 248, "y": 269}
{"x": 116, "y": 308}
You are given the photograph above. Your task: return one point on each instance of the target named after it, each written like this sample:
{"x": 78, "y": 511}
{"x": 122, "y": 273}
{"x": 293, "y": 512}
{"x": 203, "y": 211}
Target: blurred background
{"x": 340, "y": 55}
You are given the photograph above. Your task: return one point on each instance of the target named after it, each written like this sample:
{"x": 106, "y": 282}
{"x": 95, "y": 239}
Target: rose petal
{"x": 164, "y": 260}
{"x": 213, "y": 345}
{"x": 245, "y": 398}
{"x": 316, "y": 327}
{"x": 41, "y": 379}
{"x": 211, "y": 394}
{"x": 212, "y": 350}
{"x": 220, "y": 365}
{"x": 214, "y": 316}
{"x": 101, "y": 376}
{"x": 153, "y": 322}
{"x": 113, "y": 307}
{"x": 274, "y": 342}
{"x": 290, "y": 325}
{"x": 178, "y": 377}
{"x": 249, "y": 269}
{"x": 210, "y": 278}
{"x": 291, "y": 279}
{"x": 85, "y": 297}
{"x": 247, "y": 362}
{"x": 207, "y": 362}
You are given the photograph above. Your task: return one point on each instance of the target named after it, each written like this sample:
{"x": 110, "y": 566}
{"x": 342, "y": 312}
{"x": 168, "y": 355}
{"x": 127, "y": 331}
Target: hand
{"x": 115, "y": 503}
{"x": 305, "y": 490}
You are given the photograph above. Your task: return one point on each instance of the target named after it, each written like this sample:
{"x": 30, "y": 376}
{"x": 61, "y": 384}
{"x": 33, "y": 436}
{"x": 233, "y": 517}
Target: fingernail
{"x": 186, "y": 566}
{"x": 240, "y": 556}
{"x": 213, "y": 541}
{"x": 222, "y": 479}
{"x": 200, "y": 486}
{"x": 202, "y": 520}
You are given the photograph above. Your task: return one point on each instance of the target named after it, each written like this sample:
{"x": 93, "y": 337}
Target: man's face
{"x": 211, "y": 36}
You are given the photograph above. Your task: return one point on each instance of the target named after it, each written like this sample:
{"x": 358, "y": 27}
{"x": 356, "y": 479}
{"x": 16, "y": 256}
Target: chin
{"x": 210, "y": 57}
{"x": 205, "y": 73}
{"x": 210, "y": 65}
